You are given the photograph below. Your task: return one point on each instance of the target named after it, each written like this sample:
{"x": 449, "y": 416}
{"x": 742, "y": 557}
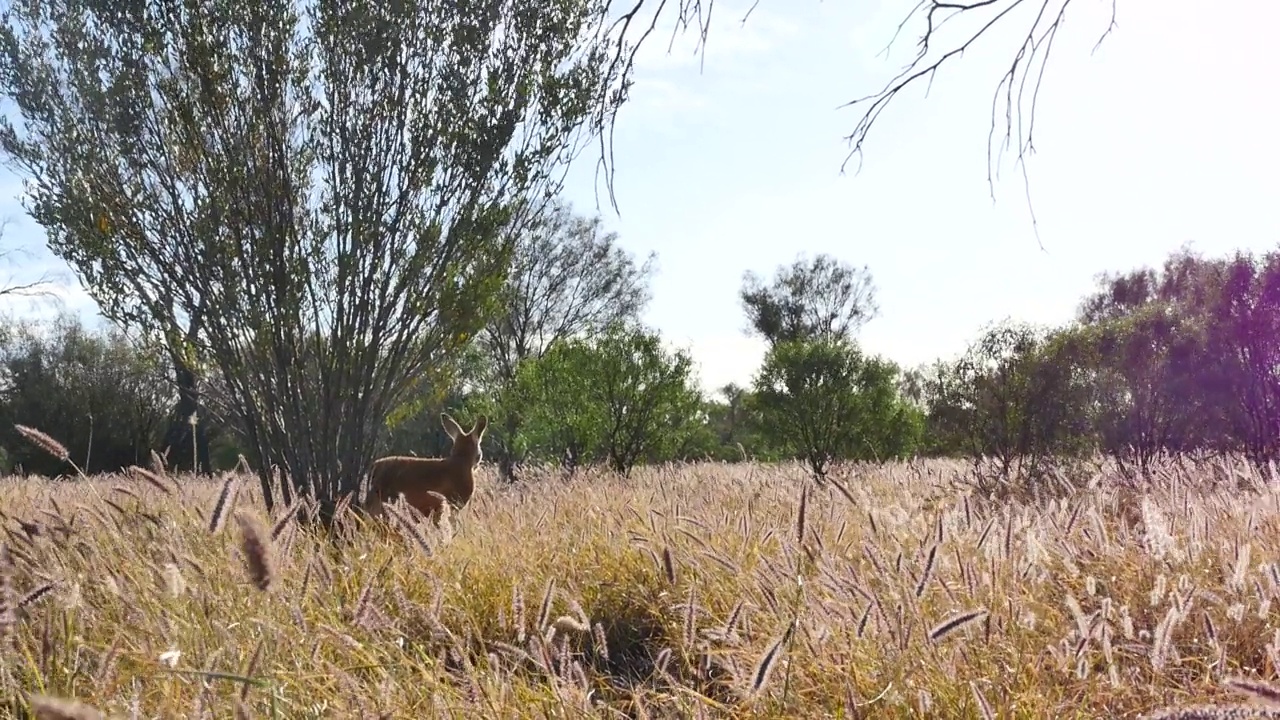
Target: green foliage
{"x": 1134, "y": 358}
{"x": 1184, "y": 358}
{"x": 568, "y": 279}
{"x": 825, "y": 400}
{"x": 1011, "y": 398}
{"x": 618, "y": 398}
{"x": 818, "y": 298}
{"x": 1175, "y": 360}
{"x": 739, "y": 429}
{"x": 99, "y": 394}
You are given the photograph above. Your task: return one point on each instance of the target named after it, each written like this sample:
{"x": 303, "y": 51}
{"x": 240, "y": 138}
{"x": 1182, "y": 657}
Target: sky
{"x": 1161, "y": 137}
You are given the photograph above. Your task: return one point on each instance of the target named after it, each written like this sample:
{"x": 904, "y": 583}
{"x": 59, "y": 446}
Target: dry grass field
{"x": 696, "y": 591}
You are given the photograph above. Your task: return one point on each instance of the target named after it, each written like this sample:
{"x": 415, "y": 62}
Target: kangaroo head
{"x": 465, "y": 444}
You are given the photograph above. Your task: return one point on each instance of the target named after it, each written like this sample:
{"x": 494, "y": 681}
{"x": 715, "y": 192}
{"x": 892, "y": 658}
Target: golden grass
{"x": 702, "y": 590}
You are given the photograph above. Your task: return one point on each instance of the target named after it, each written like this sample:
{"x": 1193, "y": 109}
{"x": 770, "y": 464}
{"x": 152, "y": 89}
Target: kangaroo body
{"x": 427, "y": 483}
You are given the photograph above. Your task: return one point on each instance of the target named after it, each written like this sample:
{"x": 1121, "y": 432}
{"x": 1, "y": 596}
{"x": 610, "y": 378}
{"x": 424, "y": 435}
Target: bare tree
{"x": 818, "y": 298}
{"x": 734, "y": 395}
{"x": 569, "y": 278}
{"x": 1016, "y": 93}
{"x": 313, "y": 200}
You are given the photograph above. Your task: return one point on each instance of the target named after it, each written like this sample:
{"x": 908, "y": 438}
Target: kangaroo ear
{"x": 481, "y": 424}
{"x": 450, "y": 426}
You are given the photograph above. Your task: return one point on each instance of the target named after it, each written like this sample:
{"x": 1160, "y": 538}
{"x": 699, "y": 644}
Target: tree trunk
{"x": 507, "y": 467}
{"x": 506, "y": 449}
{"x": 178, "y": 437}
{"x": 325, "y": 472}
{"x": 569, "y": 461}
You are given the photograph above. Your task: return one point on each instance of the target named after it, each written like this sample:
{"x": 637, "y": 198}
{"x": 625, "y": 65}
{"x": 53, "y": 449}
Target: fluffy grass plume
{"x": 705, "y": 590}
{"x": 256, "y": 547}
{"x": 51, "y": 708}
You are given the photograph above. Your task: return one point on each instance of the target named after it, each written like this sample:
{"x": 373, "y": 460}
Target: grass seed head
{"x": 44, "y": 441}
{"x": 255, "y": 544}
{"x": 46, "y": 707}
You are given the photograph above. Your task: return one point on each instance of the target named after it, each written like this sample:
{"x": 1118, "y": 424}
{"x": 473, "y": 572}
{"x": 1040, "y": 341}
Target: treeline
{"x": 1184, "y": 358}
{"x": 563, "y": 367}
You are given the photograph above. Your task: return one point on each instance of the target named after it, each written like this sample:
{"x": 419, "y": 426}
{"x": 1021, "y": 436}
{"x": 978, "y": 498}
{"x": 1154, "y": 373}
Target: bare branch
{"x": 41, "y": 287}
{"x": 1027, "y": 68}
{"x": 1019, "y": 104}
{"x": 1110, "y": 26}
{"x": 621, "y": 66}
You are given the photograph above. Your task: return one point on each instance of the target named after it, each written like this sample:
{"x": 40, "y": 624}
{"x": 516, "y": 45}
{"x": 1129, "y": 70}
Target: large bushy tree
{"x": 1011, "y": 399}
{"x": 568, "y": 279}
{"x": 819, "y": 396}
{"x": 1184, "y": 357}
{"x": 825, "y": 400}
{"x": 619, "y": 398}
{"x": 1242, "y": 331}
{"x": 315, "y": 200}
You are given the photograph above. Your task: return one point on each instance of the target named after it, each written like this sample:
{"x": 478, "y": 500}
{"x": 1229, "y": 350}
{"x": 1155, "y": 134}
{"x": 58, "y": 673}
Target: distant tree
{"x": 1172, "y": 357}
{"x": 618, "y": 398}
{"x": 734, "y": 397}
{"x": 568, "y": 279}
{"x": 707, "y": 442}
{"x": 1239, "y": 362}
{"x": 813, "y": 299}
{"x": 1163, "y": 360}
{"x": 912, "y": 387}
{"x": 1119, "y": 295}
{"x": 1008, "y": 400}
{"x": 696, "y": 439}
{"x": 1184, "y": 357}
{"x": 826, "y": 401}
{"x": 242, "y": 180}
{"x": 98, "y": 393}
{"x": 1222, "y": 368}
{"x": 735, "y": 420}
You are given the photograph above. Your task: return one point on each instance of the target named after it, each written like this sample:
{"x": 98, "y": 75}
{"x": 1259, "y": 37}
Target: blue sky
{"x": 1163, "y": 136}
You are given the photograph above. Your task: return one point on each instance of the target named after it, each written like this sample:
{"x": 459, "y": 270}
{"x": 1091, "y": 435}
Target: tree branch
{"x": 40, "y": 287}
{"x": 1026, "y": 67}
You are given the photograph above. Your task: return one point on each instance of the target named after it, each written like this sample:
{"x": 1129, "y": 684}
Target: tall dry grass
{"x": 697, "y": 591}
